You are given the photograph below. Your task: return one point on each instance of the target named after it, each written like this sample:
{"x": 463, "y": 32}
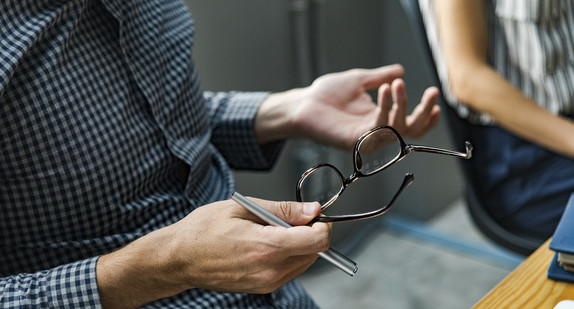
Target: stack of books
{"x": 562, "y": 266}
{"x": 566, "y": 260}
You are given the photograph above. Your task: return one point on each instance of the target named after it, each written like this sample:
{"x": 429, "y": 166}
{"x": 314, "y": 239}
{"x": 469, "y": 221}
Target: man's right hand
{"x": 221, "y": 247}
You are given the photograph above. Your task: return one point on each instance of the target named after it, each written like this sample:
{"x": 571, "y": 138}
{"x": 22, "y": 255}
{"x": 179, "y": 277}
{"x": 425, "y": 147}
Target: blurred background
{"x": 425, "y": 253}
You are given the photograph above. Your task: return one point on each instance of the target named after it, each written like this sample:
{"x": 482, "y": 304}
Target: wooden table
{"x": 528, "y": 287}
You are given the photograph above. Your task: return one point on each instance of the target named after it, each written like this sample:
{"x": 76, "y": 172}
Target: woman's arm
{"x": 462, "y": 31}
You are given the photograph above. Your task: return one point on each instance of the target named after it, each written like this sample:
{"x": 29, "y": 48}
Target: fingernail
{"x": 309, "y": 209}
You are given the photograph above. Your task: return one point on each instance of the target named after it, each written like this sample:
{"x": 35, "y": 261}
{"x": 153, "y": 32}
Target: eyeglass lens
{"x": 322, "y": 185}
{"x": 377, "y": 150}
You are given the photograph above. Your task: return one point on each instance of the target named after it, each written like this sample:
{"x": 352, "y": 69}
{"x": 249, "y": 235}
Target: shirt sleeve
{"x": 68, "y": 286}
{"x": 232, "y": 117}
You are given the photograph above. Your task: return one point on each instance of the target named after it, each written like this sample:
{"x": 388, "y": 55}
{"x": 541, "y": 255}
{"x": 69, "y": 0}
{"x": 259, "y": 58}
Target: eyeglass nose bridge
{"x": 351, "y": 179}
{"x": 345, "y": 182}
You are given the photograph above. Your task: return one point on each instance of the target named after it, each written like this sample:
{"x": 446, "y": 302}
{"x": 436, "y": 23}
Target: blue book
{"x": 562, "y": 266}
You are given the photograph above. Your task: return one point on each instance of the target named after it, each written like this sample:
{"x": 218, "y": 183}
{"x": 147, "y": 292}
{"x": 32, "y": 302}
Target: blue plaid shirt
{"x": 101, "y": 118}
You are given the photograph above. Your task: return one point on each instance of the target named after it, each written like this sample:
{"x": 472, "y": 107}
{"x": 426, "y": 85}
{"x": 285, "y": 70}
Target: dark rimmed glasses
{"x": 374, "y": 151}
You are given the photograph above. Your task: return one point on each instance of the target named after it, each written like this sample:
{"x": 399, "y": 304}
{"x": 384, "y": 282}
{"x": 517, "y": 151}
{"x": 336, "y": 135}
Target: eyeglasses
{"x": 374, "y": 151}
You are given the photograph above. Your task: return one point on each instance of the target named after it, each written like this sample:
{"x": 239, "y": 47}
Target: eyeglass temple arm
{"x": 466, "y": 155}
{"x": 409, "y": 178}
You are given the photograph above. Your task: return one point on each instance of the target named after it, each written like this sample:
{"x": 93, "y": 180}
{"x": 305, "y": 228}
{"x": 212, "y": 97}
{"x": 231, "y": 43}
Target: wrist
{"x": 276, "y": 116}
{"x": 139, "y": 273}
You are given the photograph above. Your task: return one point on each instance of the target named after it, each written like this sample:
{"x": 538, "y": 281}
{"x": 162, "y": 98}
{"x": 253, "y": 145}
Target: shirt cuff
{"x": 241, "y": 149}
{"x": 72, "y": 285}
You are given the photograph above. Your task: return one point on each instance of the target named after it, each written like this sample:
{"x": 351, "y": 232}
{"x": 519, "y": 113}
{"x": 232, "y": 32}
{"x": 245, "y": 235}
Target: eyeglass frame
{"x": 405, "y": 150}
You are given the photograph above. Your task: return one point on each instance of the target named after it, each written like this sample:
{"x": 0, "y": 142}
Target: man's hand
{"x": 336, "y": 109}
{"x": 220, "y": 246}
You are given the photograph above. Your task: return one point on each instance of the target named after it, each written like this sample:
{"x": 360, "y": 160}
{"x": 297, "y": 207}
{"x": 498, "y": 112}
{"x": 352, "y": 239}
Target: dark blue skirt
{"x": 525, "y": 187}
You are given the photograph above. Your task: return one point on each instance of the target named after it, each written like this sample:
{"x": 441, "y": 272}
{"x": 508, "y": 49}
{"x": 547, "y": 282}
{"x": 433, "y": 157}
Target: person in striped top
{"x": 507, "y": 67}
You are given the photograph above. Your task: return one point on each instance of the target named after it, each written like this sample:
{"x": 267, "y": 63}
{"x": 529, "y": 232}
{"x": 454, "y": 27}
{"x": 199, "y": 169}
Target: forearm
{"x": 482, "y": 88}
{"x": 139, "y": 273}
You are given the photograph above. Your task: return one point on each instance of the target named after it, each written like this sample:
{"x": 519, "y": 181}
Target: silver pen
{"x": 332, "y": 256}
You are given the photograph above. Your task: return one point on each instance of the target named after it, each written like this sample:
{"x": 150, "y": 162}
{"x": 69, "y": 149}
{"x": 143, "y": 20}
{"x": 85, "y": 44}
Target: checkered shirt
{"x": 100, "y": 112}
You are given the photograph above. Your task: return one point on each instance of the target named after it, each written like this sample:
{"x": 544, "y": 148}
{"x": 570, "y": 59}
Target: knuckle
{"x": 322, "y": 244}
{"x": 323, "y": 239}
{"x": 285, "y": 209}
{"x": 270, "y": 280}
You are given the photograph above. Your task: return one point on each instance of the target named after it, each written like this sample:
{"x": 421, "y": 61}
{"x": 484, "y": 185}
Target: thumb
{"x": 373, "y": 78}
{"x": 294, "y": 213}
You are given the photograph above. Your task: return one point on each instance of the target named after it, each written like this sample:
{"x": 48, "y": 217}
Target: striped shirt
{"x": 100, "y": 111}
{"x": 530, "y": 43}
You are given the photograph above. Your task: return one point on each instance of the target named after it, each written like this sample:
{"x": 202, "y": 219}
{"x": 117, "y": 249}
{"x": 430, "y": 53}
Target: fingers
{"x": 374, "y": 78}
{"x": 270, "y": 279}
{"x": 399, "y": 111}
{"x": 291, "y": 212}
{"x": 304, "y": 240}
{"x": 425, "y": 115}
{"x": 299, "y": 239}
{"x": 393, "y": 110}
{"x": 385, "y": 103}
{"x": 392, "y": 105}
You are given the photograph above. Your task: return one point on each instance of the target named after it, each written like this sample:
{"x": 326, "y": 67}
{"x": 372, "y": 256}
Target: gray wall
{"x": 274, "y": 45}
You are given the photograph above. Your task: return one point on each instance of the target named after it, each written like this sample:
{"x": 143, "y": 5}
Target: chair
{"x": 459, "y": 129}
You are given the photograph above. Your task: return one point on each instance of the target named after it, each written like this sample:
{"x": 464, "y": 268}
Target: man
{"x": 115, "y": 165}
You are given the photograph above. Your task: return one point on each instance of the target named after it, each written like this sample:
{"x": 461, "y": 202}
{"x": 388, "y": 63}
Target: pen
{"x": 332, "y": 256}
